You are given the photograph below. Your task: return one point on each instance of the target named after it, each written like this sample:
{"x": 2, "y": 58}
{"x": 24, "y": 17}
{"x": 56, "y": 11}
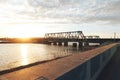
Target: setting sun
{"x": 24, "y": 39}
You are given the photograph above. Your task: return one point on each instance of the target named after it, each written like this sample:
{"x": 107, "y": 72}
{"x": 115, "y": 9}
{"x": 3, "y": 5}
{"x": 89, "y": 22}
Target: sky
{"x": 34, "y": 18}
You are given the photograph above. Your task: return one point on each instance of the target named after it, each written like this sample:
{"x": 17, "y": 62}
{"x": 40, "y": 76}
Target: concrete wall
{"x": 91, "y": 68}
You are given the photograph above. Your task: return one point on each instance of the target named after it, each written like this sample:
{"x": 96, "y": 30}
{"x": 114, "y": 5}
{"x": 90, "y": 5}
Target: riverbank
{"x": 53, "y": 69}
{"x": 56, "y": 56}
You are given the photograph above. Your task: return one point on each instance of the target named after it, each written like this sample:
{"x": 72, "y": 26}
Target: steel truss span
{"x": 65, "y": 35}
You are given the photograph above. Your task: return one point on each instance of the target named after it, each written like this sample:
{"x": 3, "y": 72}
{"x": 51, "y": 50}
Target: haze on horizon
{"x": 34, "y": 18}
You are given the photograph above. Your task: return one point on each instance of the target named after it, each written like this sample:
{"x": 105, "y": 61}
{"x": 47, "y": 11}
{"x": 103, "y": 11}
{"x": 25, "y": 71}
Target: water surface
{"x": 15, "y": 55}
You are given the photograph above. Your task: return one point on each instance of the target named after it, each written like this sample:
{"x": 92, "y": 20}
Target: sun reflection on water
{"x": 24, "y": 54}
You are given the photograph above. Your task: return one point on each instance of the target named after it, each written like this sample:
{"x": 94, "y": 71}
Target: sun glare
{"x": 24, "y": 39}
{"x": 24, "y": 54}
{"x": 26, "y": 30}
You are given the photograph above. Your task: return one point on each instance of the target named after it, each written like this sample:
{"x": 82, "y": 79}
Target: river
{"x": 15, "y": 55}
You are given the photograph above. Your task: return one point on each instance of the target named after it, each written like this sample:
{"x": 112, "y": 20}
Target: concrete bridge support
{"x": 65, "y": 43}
{"x": 74, "y": 44}
{"x": 60, "y": 43}
{"x": 49, "y": 43}
{"x": 54, "y": 43}
{"x": 80, "y": 44}
{"x": 86, "y": 44}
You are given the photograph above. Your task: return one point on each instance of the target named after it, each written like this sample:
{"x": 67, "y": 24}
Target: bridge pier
{"x": 54, "y": 43}
{"x": 65, "y": 43}
{"x": 80, "y": 44}
{"x": 60, "y": 43}
{"x": 86, "y": 44}
{"x": 49, "y": 43}
{"x": 74, "y": 44}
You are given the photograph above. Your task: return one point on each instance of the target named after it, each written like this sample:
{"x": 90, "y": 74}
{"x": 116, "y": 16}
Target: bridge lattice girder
{"x": 77, "y": 35}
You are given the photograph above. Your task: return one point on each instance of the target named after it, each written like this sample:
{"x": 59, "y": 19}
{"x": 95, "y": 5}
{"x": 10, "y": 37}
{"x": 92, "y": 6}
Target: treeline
{"x": 21, "y": 40}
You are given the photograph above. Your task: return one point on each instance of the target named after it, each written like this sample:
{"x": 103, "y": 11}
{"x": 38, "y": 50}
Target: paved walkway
{"x": 112, "y": 70}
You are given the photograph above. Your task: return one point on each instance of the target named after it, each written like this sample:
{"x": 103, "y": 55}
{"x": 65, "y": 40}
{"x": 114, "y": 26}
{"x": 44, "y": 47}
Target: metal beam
{"x": 65, "y": 35}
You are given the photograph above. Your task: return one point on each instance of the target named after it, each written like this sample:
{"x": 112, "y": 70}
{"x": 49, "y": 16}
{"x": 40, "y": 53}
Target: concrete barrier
{"x": 91, "y": 69}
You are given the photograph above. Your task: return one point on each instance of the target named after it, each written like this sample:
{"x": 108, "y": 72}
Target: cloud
{"x": 109, "y": 12}
{"x": 63, "y": 11}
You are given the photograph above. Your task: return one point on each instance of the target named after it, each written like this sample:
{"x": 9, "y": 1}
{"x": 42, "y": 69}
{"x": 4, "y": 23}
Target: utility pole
{"x": 114, "y": 36}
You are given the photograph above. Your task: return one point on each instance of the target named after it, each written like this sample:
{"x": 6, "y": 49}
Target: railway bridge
{"x": 76, "y": 37}
{"x": 65, "y": 37}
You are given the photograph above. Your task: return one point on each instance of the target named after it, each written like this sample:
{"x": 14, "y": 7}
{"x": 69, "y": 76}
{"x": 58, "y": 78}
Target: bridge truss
{"x": 74, "y": 35}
